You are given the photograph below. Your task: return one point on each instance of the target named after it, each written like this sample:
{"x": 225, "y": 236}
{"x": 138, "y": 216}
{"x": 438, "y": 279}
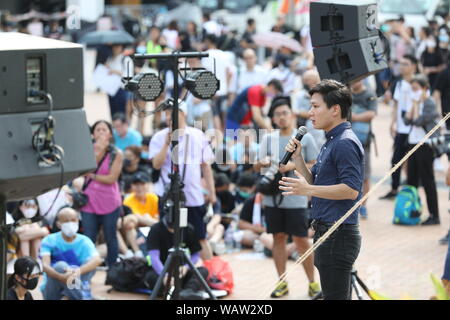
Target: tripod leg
{"x": 363, "y": 285}
{"x": 355, "y": 286}
{"x": 159, "y": 282}
{"x": 199, "y": 276}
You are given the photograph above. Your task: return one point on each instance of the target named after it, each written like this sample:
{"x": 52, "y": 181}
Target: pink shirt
{"x": 103, "y": 198}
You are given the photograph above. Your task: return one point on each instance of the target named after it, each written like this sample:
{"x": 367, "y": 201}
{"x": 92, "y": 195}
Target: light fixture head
{"x": 202, "y": 83}
{"x": 147, "y": 86}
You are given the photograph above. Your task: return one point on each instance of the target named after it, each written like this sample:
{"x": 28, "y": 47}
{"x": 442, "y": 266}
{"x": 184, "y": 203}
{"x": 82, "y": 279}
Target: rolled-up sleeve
{"x": 348, "y": 159}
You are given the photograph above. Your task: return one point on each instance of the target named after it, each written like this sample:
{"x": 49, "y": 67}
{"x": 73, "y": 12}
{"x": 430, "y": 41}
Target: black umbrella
{"x": 107, "y": 37}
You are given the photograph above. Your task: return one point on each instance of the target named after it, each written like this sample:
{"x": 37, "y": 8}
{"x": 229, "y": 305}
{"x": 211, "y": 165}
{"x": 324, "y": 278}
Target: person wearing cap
{"x": 144, "y": 208}
{"x": 25, "y": 278}
{"x": 198, "y": 156}
{"x": 159, "y": 242}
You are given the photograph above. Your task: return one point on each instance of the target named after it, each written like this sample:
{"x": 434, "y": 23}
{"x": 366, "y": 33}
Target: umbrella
{"x": 107, "y": 37}
{"x": 276, "y": 40}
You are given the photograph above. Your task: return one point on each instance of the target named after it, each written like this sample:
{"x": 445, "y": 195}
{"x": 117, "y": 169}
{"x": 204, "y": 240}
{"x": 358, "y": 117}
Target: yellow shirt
{"x": 150, "y": 205}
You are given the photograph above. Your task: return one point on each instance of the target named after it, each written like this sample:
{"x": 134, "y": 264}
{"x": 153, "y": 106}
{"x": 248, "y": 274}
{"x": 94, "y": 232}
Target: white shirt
{"x": 403, "y": 95}
{"x": 171, "y": 37}
{"x": 222, "y": 64}
{"x": 287, "y": 78}
{"x": 248, "y": 78}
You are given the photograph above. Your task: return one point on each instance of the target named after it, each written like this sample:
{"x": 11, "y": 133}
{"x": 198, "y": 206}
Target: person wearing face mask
{"x": 431, "y": 60}
{"x": 131, "y": 166}
{"x": 423, "y": 117}
{"x": 69, "y": 260}
{"x": 30, "y": 234}
{"x": 25, "y": 278}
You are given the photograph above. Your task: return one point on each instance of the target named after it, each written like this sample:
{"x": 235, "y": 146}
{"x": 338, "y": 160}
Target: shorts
{"x": 196, "y": 217}
{"x": 218, "y": 106}
{"x": 290, "y": 221}
{"x": 367, "y": 163}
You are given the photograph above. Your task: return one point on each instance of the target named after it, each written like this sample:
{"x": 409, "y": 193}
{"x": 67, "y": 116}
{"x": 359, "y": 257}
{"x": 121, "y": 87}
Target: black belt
{"x": 324, "y": 226}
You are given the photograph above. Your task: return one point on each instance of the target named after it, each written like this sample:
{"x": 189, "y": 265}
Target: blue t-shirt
{"x": 75, "y": 253}
{"x": 132, "y": 138}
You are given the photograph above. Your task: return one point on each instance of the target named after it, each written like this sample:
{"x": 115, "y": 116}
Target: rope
{"x": 349, "y": 212}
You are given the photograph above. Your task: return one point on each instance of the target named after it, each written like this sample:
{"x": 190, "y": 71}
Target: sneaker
{"x": 430, "y": 221}
{"x": 390, "y": 195}
{"x": 139, "y": 254}
{"x": 363, "y": 212}
{"x": 129, "y": 254}
{"x": 314, "y": 289}
{"x": 444, "y": 240}
{"x": 281, "y": 290}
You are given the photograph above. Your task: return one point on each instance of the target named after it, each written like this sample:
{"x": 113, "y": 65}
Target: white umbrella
{"x": 276, "y": 40}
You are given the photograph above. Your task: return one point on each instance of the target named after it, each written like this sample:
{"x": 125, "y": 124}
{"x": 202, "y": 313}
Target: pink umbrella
{"x": 276, "y": 40}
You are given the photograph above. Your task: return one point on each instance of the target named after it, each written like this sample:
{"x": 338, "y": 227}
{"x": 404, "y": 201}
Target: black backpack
{"x": 127, "y": 275}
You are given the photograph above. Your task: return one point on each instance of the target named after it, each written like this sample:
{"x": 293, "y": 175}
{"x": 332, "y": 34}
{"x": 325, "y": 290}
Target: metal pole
{"x": 3, "y": 249}
{"x": 176, "y": 179}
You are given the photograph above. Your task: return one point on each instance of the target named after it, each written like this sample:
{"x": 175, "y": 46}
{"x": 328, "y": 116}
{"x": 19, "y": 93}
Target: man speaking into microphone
{"x": 335, "y": 185}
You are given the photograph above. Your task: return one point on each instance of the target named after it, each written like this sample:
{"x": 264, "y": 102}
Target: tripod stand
{"x": 356, "y": 283}
{"x": 176, "y": 254}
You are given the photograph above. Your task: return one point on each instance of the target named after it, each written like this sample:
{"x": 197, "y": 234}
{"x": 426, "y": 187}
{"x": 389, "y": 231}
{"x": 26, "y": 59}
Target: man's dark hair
{"x": 246, "y": 180}
{"x": 211, "y": 38}
{"x": 334, "y": 92}
{"x": 276, "y": 84}
{"x": 221, "y": 179}
{"x": 250, "y": 21}
{"x": 120, "y": 116}
{"x": 413, "y": 60}
{"x": 277, "y": 102}
{"x": 422, "y": 80}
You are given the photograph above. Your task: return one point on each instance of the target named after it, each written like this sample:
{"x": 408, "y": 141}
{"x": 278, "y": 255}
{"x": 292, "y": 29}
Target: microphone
{"x": 300, "y": 133}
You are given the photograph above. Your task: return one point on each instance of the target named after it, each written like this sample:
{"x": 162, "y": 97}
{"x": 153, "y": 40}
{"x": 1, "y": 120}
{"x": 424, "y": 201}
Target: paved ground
{"x": 394, "y": 260}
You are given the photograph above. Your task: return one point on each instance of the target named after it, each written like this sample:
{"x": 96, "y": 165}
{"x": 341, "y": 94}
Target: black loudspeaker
{"x": 350, "y": 61}
{"x": 347, "y": 45}
{"x": 29, "y": 64}
{"x": 342, "y": 21}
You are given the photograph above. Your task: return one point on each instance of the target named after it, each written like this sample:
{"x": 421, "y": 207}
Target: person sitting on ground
{"x": 124, "y": 136}
{"x": 25, "y": 278}
{"x": 69, "y": 260}
{"x": 131, "y": 166}
{"x": 30, "y": 234}
{"x": 159, "y": 241}
{"x": 144, "y": 208}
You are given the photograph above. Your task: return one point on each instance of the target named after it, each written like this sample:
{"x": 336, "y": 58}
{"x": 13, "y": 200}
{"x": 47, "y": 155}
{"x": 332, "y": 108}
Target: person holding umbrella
{"x": 118, "y": 64}
{"x": 121, "y": 65}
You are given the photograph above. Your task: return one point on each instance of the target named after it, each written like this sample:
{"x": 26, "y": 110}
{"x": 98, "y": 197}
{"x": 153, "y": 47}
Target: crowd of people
{"x": 126, "y": 213}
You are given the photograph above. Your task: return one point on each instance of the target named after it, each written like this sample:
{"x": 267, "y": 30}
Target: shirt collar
{"x": 336, "y": 131}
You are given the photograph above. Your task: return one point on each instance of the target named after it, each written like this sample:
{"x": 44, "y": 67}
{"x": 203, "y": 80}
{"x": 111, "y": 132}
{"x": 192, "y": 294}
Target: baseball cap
{"x": 140, "y": 177}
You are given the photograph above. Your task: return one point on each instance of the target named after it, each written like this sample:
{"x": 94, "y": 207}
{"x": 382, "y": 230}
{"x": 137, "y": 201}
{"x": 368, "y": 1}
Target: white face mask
{"x": 69, "y": 229}
{"x": 416, "y": 95}
{"x": 29, "y": 213}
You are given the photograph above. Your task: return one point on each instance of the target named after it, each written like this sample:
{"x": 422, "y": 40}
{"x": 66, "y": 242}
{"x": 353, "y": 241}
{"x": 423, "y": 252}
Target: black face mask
{"x": 30, "y": 284}
{"x": 126, "y": 163}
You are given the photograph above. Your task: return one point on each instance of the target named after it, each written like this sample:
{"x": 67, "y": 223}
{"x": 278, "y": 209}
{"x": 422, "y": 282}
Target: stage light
{"x": 147, "y": 86}
{"x": 203, "y": 84}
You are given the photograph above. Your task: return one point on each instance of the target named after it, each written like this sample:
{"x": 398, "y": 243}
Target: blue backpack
{"x": 408, "y": 207}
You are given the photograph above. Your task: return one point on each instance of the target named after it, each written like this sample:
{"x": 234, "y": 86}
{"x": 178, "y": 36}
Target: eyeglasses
{"x": 280, "y": 114}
